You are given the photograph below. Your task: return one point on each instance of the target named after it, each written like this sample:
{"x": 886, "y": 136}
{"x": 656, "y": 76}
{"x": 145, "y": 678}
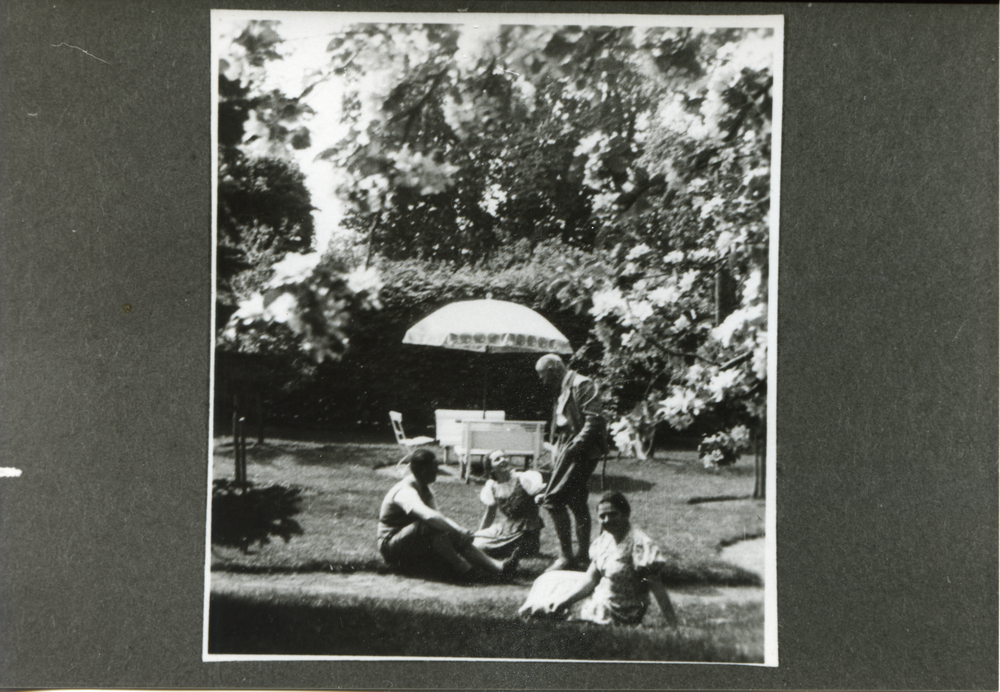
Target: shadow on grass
{"x": 243, "y": 626}
{"x": 726, "y": 542}
{"x": 721, "y": 498}
{"x": 312, "y": 454}
{"x": 677, "y": 573}
{"x": 623, "y": 484}
{"x": 374, "y": 565}
{"x": 715, "y": 573}
{"x": 246, "y": 515}
{"x": 370, "y": 456}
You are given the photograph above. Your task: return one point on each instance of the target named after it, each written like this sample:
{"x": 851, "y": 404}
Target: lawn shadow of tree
{"x": 314, "y": 454}
{"x": 623, "y": 484}
{"x": 244, "y": 514}
{"x": 373, "y": 626}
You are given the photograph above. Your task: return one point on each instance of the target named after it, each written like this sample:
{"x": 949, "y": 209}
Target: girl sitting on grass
{"x": 625, "y": 568}
{"x": 510, "y": 522}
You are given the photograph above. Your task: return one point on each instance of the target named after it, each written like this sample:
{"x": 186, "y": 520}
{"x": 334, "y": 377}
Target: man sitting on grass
{"x": 414, "y": 537}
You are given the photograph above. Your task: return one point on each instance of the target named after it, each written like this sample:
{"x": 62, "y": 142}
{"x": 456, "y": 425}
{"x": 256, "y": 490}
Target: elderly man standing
{"x": 413, "y": 536}
{"x": 581, "y": 436}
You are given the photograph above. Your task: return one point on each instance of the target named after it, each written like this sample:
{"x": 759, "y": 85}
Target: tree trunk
{"x": 236, "y": 439}
{"x": 259, "y": 401}
{"x": 760, "y": 464}
{"x": 243, "y": 450}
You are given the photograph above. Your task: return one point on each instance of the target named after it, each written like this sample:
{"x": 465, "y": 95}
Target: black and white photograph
{"x": 438, "y": 345}
{"x": 494, "y": 353}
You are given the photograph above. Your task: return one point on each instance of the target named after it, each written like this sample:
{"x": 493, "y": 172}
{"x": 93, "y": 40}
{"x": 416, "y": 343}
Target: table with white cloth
{"x": 448, "y": 426}
{"x": 518, "y": 438}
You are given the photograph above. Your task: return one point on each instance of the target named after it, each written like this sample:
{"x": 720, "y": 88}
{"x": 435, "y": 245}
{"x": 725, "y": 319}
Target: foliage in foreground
{"x": 649, "y": 147}
{"x": 274, "y": 295}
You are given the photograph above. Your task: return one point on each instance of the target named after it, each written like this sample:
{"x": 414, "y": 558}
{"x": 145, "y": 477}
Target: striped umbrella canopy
{"x": 488, "y": 326}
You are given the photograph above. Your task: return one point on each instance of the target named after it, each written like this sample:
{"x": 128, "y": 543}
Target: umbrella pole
{"x": 486, "y": 378}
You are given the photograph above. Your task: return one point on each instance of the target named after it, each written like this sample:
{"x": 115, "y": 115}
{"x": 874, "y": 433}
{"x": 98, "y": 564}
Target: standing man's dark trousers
{"x": 567, "y": 494}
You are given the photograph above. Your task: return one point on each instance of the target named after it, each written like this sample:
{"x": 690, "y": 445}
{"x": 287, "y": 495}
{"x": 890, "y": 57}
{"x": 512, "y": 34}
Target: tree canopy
{"x": 275, "y": 295}
{"x": 647, "y": 147}
{"x": 639, "y": 156}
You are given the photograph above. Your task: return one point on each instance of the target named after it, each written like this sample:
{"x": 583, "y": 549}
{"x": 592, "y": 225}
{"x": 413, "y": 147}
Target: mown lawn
{"x": 341, "y": 486}
{"x": 282, "y": 624}
{"x": 291, "y": 604}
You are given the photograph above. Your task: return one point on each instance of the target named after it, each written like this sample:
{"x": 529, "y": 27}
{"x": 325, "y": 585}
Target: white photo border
{"x": 768, "y": 21}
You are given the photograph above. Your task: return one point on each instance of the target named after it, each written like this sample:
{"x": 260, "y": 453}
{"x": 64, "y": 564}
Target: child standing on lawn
{"x": 413, "y": 536}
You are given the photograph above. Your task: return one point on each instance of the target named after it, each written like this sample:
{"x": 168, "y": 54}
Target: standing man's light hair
{"x": 549, "y": 360}
{"x": 551, "y": 369}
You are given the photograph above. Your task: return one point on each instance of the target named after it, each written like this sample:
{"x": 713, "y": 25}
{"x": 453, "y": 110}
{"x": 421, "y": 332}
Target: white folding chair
{"x": 407, "y": 444}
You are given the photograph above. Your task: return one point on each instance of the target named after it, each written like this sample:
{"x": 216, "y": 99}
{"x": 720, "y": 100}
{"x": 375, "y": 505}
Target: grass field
{"x": 284, "y": 597}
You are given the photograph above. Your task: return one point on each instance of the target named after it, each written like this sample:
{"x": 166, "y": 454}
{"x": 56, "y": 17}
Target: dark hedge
{"x": 380, "y": 373}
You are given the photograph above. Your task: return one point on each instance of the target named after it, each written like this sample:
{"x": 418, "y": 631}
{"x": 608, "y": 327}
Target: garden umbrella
{"x": 488, "y": 326}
